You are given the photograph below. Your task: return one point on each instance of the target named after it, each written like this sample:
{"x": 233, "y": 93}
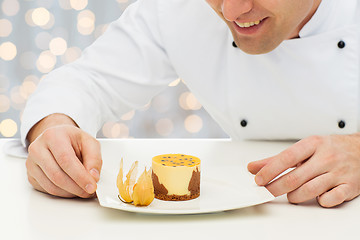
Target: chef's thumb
{"x": 91, "y": 156}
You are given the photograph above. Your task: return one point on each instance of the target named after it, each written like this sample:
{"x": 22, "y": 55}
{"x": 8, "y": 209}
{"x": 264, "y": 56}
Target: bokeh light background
{"x": 37, "y": 36}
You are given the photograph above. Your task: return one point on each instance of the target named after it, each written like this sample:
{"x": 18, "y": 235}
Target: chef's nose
{"x": 232, "y": 9}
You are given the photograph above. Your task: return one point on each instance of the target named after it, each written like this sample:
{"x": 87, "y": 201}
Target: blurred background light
{"x": 8, "y": 51}
{"x": 17, "y": 100}
{"x": 120, "y": 130}
{"x": 193, "y": 123}
{"x": 78, "y": 4}
{"x": 50, "y": 23}
{"x": 5, "y": 27}
{"x": 86, "y": 22}
{"x": 58, "y": 46}
{"x": 27, "y": 88}
{"x": 28, "y": 18}
{"x": 175, "y": 83}
{"x": 46, "y": 62}
{"x": 183, "y": 100}
{"x": 164, "y": 127}
{"x": 70, "y": 55}
{"x": 40, "y": 16}
{"x": 115, "y": 130}
{"x": 128, "y": 116}
{"x": 8, "y": 128}
{"x": 37, "y": 36}
{"x": 32, "y": 78}
{"x": 10, "y": 7}
{"x": 100, "y": 29}
{"x": 192, "y": 103}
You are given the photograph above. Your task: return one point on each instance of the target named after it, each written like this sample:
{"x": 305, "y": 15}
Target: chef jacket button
{"x": 341, "y": 124}
{"x": 234, "y": 44}
{"x": 341, "y": 44}
{"x": 243, "y": 123}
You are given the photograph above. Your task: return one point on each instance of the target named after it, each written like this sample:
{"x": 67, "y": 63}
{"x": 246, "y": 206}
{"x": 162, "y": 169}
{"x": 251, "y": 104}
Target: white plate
{"x": 225, "y": 182}
{"x": 218, "y": 192}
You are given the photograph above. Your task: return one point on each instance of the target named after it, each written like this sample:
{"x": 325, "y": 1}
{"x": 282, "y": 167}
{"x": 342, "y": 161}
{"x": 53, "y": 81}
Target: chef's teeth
{"x": 247, "y": 24}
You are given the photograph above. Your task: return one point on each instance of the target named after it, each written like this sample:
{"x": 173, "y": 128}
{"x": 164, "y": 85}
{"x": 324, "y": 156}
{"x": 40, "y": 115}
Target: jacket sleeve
{"x": 122, "y": 70}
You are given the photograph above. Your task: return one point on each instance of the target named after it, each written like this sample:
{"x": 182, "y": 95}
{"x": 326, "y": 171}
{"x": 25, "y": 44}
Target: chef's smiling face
{"x": 259, "y": 26}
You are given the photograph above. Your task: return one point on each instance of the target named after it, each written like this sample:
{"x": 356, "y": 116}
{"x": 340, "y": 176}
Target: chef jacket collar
{"x": 319, "y": 21}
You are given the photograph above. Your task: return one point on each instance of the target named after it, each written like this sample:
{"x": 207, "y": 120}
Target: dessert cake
{"x": 176, "y": 177}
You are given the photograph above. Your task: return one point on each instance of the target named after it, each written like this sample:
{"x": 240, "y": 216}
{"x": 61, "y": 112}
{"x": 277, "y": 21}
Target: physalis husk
{"x": 140, "y": 193}
{"x": 126, "y": 188}
{"x": 143, "y": 193}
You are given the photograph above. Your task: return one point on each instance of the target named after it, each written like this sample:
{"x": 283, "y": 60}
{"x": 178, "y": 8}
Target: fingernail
{"x": 90, "y": 188}
{"x": 95, "y": 173}
{"x": 258, "y": 180}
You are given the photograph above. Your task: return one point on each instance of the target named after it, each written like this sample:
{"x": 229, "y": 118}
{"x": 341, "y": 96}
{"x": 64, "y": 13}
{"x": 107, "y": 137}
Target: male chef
{"x": 263, "y": 69}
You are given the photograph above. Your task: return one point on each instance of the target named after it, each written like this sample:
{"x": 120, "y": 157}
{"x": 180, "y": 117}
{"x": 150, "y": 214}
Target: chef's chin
{"x": 250, "y": 46}
{"x": 257, "y": 43}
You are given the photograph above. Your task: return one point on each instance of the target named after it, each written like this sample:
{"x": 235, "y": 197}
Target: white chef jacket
{"x": 305, "y": 86}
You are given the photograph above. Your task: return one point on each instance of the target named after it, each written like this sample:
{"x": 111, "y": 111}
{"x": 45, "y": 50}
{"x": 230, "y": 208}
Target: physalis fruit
{"x": 140, "y": 193}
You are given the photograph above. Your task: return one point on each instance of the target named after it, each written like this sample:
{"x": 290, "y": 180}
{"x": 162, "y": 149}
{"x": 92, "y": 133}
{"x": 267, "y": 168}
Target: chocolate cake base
{"x": 176, "y": 197}
{"x": 162, "y": 193}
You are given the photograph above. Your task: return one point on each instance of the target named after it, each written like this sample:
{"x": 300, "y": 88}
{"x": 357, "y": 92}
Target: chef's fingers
{"x": 256, "y": 166}
{"x": 294, "y": 178}
{"x": 57, "y": 176}
{"x": 336, "y": 196}
{"x": 312, "y": 188}
{"x": 64, "y": 154}
{"x": 290, "y": 157}
{"x": 35, "y": 184}
{"x": 46, "y": 185}
{"x": 91, "y": 155}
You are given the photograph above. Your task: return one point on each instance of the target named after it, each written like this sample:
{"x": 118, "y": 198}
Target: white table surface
{"x": 28, "y": 214}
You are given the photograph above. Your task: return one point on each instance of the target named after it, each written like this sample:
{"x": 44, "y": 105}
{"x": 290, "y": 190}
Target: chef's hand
{"x": 326, "y": 168}
{"x": 63, "y": 160}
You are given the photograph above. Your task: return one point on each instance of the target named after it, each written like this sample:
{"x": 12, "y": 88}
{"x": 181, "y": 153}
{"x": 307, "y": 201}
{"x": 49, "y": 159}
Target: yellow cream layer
{"x": 174, "y": 171}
